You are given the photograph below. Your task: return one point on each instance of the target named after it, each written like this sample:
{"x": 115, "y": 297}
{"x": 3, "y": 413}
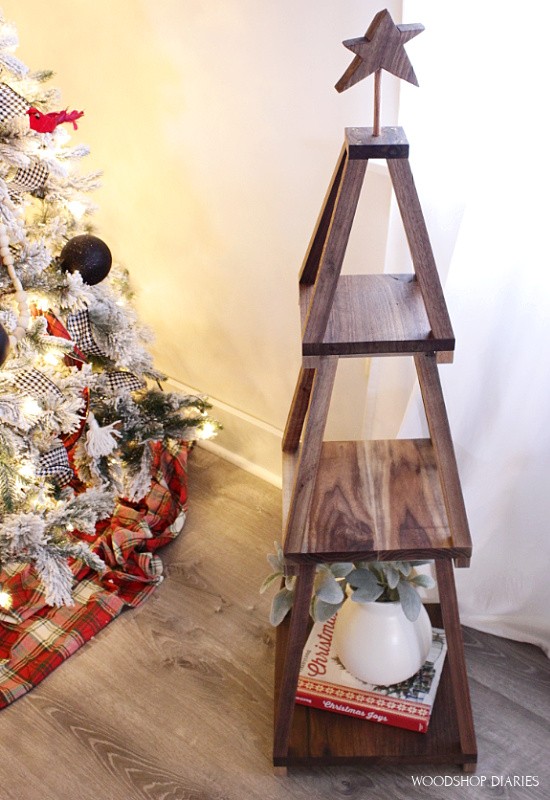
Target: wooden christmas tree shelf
{"x": 380, "y": 500}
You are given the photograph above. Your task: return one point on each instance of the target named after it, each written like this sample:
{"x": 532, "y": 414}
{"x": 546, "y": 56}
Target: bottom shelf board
{"x": 322, "y": 737}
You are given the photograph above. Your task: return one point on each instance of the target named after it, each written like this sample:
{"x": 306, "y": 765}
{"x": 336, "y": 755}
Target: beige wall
{"x": 217, "y": 128}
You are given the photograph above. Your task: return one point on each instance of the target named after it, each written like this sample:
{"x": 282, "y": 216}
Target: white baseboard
{"x": 247, "y": 442}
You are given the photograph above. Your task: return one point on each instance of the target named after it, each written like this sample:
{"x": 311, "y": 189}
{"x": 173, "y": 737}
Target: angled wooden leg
{"x": 440, "y": 432}
{"x": 296, "y": 640}
{"x": 298, "y": 410}
{"x": 334, "y": 251}
{"x": 455, "y": 657}
{"x": 305, "y": 470}
{"x": 421, "y": 251}
{"x": 312, "y": 260}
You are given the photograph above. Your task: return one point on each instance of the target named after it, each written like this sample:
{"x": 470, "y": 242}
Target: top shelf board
{"x": 374, "y": 315}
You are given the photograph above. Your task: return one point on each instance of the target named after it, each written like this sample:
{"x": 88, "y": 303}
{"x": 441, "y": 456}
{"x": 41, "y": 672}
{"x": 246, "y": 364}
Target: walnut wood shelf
{"x": 321, "y": 737}
{"x": 375, "y": 500}
{"x": 374, "y": 315}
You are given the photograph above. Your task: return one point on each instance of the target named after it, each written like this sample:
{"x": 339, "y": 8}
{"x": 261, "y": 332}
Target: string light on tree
{"x": 31, "y": 408}
{"x": 52, "y": 359}
{"x": 6, "y": 600}
{"x": 77, "y": 209}
{"x": 207, "y": 430}
{"x": 26, "y": 470}
{"x": 40, "y": 303}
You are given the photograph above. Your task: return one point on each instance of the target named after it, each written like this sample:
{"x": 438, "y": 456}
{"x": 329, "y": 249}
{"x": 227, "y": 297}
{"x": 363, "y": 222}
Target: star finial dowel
{"x": 380, "y": 48}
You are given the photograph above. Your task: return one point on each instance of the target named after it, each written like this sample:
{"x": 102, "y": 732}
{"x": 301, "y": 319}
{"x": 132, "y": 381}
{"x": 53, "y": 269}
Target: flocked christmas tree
{"x": 81, "y": 403}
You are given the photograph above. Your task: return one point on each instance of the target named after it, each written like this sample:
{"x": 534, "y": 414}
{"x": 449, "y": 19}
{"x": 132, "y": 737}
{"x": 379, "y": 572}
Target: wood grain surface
{"x": 287, "y": 679}
{"x": 455, "y": 653}
{"x": 376, "y": 499}
{"x": 334, "y": 250}
{"x": 310, "y": 267}
{"x": 440, "y": 432}
{"x": 298, "y": 410}
{"x": 420, "y": 247}
{"x": 375, "y": 315}
{"x": 304, "y": 472}
{"x": 174, "y": 700}
{"x": 380, "y": 48}
{"x": 392, "y": 143}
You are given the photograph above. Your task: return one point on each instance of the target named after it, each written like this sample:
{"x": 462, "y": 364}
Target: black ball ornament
{"x": 88, "y": 255}
{"x": 4, "y": 344}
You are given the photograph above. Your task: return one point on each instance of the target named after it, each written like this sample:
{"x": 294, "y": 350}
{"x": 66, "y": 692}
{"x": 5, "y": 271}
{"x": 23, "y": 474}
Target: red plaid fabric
{"x": 36, "y": 638}
{"x": 56, "y": 328}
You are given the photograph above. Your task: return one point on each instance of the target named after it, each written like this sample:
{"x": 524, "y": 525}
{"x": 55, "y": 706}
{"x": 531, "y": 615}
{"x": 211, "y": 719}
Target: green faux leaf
{"x": 274, "y": 562}
{"x": 393, "y": 577}
{"x": 410, "y": 601}
{"x": 426, "y": 581}
{"x": 269, "y": 581}
{"x": 367, "y": 595}
{"x": 404, "y": 567}
{"x": 321, "y": 611}
{"x": 363, "y": 579}
{"x": 290, "y": 582}
{"x": 341, "y": 569}
{"x": 327, "y": 588}
{"x": 277, "y": 560}
{"x": 281, "y": 605}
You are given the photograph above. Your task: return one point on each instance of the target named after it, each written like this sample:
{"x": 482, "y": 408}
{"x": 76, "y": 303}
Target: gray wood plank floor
{"x": 173, "y": 701}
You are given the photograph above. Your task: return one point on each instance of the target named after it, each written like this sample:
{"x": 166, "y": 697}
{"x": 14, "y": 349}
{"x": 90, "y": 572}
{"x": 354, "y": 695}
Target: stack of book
{"x": 324, "y": 683}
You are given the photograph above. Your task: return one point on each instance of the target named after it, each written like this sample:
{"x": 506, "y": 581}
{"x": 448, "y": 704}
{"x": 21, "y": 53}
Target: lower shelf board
{"x": 322, "y": 737}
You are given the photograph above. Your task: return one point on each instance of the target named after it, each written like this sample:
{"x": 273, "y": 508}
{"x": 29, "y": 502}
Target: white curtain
{"x": 478, "y": 130}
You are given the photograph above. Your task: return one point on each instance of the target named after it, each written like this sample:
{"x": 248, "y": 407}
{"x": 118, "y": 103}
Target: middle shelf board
{"x": 374, "y": 500}
{"x": 374, "y": 315}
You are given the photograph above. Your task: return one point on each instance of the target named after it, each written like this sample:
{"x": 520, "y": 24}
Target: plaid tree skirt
{"x": 36, "y": 638}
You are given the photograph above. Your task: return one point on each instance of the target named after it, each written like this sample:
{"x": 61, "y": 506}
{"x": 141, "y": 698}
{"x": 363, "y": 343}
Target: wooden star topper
{"x": 380, "y": 48}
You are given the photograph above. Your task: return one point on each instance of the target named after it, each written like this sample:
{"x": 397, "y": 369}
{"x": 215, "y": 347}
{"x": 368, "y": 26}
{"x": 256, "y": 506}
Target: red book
{"x": 324, "y": 683}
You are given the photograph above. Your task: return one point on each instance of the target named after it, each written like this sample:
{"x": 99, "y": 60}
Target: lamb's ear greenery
{"x": 326, "y": 587}
{"x": 365, "y": 585}
{"x": 273, "y": 562}
{"x": 269, "y": 581}
{"x": 341, "y": 569}
{"x": 393, "y": 577}
{"x": 281, "y": 605}
{"x": 321, "y": 611}
{"x": 425, "y": 581}
{"x": 410, "y": 601}
{"x": 365, "y": 581}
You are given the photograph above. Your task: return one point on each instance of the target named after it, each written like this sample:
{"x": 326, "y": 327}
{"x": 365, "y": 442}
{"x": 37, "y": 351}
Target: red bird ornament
{"x": 46, "y": 123}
